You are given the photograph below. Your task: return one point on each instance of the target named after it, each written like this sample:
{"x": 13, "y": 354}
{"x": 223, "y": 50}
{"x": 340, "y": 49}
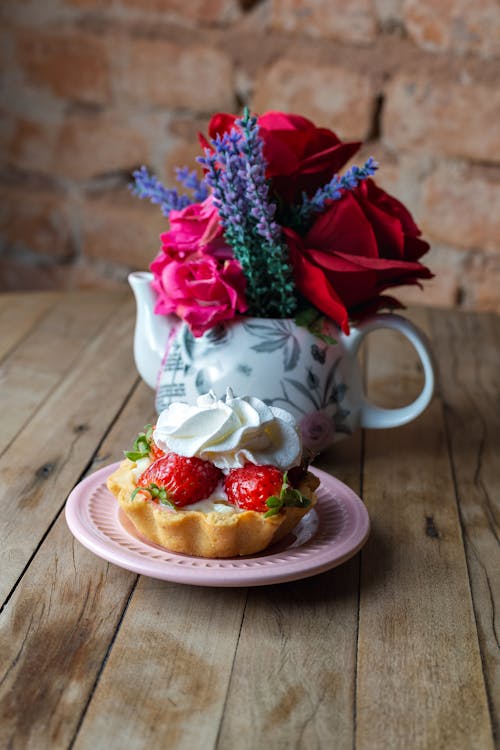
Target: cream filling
{"x": 216, "y": 502}
{"x": 140, "y": 466}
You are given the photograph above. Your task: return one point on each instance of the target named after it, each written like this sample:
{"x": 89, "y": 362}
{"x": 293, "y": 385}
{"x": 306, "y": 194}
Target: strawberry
{"x": 262, "y": 488}
{"x": 145, "y": 446}
{"x": 251, "y": 486}
{"x": 154, "y": 451}
{"x": 180, "y": 480}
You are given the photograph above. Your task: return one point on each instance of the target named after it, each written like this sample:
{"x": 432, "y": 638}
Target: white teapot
{"x": 276, "y": 360}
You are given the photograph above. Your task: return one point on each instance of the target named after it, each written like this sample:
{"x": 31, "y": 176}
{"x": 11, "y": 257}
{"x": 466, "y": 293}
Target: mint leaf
{"x": 135, "y": 455}
{"x": 140, "y": 448}
{"x": 272, "y": 512}
{"x": 289, "y": 498}
{"x": 274, "y": 502}
{"x": 166, "y": 501}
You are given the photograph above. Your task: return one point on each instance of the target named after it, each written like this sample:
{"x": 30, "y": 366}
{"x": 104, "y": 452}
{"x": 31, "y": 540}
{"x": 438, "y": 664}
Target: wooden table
{"x": 395, "y": 649}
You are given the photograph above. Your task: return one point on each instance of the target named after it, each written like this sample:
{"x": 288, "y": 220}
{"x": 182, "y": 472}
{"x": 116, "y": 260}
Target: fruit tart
{"x": 221, "y": 478}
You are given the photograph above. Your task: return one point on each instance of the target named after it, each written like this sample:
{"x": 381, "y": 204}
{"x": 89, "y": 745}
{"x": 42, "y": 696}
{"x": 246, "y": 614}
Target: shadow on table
{"x": 340, "y": 583}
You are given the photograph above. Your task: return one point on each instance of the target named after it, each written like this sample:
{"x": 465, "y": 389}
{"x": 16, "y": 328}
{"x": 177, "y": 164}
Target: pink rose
{"x": 317, "y": 431}
{"x": 195, "y": 228}
{"x": 200, "y": 290}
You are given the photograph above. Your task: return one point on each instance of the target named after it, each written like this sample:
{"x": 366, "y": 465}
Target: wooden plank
{"x": 419, "y": 677}
{"x": 47, "y": 354}
{"x": 187, "y": 637}
{"x": 166, "y": 678}
{"x": 293, "y": 677}
{"x": 19, "y": 313}
{"x": 469, "y": 347}
{"x": 57, "y": 627}
{"x": 51, "y": 452}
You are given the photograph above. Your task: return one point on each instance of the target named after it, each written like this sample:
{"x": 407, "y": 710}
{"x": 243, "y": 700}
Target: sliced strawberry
{"x": 251, "y": 486}
{"x": 182, "y": 480}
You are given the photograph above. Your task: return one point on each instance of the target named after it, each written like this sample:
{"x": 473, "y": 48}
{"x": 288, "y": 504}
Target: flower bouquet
{"x": 275, "y": 238}
{"x": 273, "y": 231}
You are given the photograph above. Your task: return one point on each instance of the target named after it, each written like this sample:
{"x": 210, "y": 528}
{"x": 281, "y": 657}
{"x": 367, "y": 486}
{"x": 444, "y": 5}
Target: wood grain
{"x": 397, "y": 648}
{"x": 293, "y": 677}
{"x": 169, "y": 669}
{"x": 19, "y": 313}
{"x": 419, "y": 679}
{"x": 470, "y": 386}
{"x": 49, "y": 455}
{"x": 47, "y": 353}
{"x": 58, "y": 626}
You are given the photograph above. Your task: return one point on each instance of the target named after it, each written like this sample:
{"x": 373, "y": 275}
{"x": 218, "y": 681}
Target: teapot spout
{"x": 151, "y": 331}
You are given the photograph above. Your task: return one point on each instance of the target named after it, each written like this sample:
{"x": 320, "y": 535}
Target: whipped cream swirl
{"x": 230, "y": 432}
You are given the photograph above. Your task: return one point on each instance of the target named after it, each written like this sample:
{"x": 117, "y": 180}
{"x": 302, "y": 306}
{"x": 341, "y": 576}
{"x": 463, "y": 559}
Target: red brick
{"x": 91, "y": 5}
{"x": 88, "y": 146}
{"x": 390, "y": 13}
{"x": 443, "y": 117}
{"x": 97, "y": 274}
{"x": 37, "y": 221}
{"x": 482, "y": 282}
{"x": 455, "y": 25}
{"x": 332, "y": 97}
{"x": 121, "y": 228}
{"x": 69, "y": 63}
{"x": 181, "y": 155}
{"x": 82, "y": 147}
{"x": 35, "y": 275}
{"x": 399, "y": 174}
{"x": 353, "y": 21}
{"x": 162, "y": 73}
{"x": 462, "y": 208}
{"x": 444, "y": 289}
{"x": 7, "y": 133}
{"x": 31, "y": 146}
{"x": 202, "y": 11}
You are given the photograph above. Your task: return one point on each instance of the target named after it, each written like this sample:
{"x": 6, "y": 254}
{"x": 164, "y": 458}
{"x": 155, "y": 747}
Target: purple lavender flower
{"x": 236, "y": 173}
{"x": 191, "y": 181}
{"x": 332, "y": 191}
{"x": 146, "y": 185}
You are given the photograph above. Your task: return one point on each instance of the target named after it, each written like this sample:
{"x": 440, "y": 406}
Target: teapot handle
{"x": 376, "y": 417}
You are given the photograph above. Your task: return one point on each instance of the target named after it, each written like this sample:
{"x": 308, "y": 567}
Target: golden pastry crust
{"x": 213, "y": 534}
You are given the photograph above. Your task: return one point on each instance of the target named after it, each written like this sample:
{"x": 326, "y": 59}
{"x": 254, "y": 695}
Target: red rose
{"x": 359, "y": 246}
{"x": 300, "y": 156}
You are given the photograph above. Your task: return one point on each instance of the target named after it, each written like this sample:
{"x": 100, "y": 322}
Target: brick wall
{"x": 92, "y": 89}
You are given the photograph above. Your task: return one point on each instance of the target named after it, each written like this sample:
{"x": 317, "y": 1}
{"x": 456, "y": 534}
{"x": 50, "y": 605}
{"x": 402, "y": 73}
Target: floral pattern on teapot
{"x": 273, "y": 359}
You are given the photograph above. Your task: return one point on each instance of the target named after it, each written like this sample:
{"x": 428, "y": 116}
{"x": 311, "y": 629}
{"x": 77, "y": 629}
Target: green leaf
{"x": 306, "y": 317}
{"x": 327, "y": 339}
{"x": 135, "y": 455}
{"x": 314, "y": 321}
{"x": 274, "y": 502}
{"x": 166, "y": 501}
{"x": 271, "y": 512}
{"x": 140, "y": 447}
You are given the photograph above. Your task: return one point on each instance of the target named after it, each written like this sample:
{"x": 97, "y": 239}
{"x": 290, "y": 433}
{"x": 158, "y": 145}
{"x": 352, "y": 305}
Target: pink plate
{"x": 332, "y": 532}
